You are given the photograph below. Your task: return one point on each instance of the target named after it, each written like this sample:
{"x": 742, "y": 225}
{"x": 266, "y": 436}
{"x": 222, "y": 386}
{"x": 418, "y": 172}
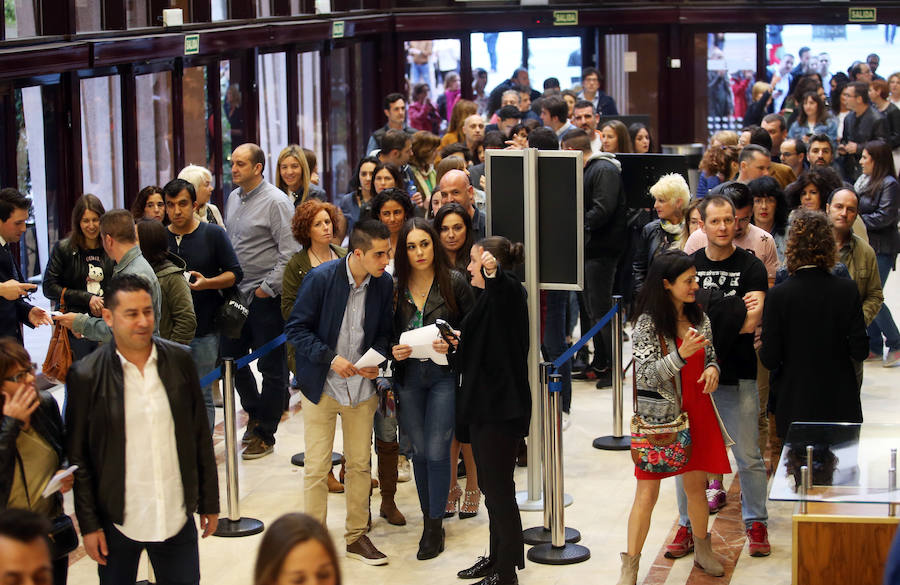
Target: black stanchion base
{"x": 243, "y": 527}
{"x": 143, "y": 583}
{"x": 547, "y": 554}
{"x": 540, "y": 535}
{"x": 610, "y": 443}
{"x": 300, "y": 459}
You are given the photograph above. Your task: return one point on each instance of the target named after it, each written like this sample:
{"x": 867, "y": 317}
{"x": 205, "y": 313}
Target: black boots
{"x": 432, "y": 542}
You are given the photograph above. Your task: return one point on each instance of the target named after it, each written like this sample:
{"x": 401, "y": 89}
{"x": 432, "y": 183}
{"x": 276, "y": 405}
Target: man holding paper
{"x": 343, "y": 309}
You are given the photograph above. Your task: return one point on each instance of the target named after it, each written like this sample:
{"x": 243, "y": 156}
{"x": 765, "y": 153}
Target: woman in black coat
{"x": 31, "y": 434}
{"x": 812, "y": 330}
{"x": 494, "y": 399}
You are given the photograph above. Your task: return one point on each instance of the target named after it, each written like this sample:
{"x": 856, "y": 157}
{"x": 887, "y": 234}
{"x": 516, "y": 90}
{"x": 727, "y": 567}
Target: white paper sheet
{"x": 56, "y": 482}
{"x": 370, "y": 359}
{"x": 420, "y": 341}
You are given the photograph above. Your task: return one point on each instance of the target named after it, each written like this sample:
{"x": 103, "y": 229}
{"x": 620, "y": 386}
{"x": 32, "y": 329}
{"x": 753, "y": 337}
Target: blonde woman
{"x": 292, "y": 174}
{"x": 201, "y": 179}
{"x": 672, "y": 196}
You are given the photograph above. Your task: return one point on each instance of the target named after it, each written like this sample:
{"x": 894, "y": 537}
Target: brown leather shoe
{"x": 334, "y": 486}
{"x": 363, "y": 550}
{"x": 387, "y": 477}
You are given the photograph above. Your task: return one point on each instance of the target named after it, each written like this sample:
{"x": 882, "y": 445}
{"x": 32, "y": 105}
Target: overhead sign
{"x": 191, "y": 44}
{"x": 858, "y": 14}
{"x": 565, "y": 18}
{"x": 337, "y": 29}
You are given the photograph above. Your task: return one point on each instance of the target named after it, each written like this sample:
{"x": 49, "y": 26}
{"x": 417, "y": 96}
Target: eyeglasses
{"x": 20, "y": 376}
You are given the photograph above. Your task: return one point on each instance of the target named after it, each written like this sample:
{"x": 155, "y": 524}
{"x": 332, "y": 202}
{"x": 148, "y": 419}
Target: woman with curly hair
{"x": 811, "y": 190}
{"x": 770, "y": 211}
{"x": 149, "y": 204}
{"x": 672, "y": 195}
{"x": 812, "y": 330}
{"x": 719, "y": 164}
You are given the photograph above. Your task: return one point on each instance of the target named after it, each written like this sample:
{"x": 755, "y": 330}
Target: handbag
{"x": 233, "y": 312}
{"x": 59, "y": 352}
{"x": 660, "y": 447}
{"x": 63, "y": 538}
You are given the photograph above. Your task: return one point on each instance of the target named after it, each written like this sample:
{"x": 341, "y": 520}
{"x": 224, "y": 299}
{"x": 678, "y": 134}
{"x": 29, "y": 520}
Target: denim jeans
{"x": 428, "y": 414}
{"x": 263, "y": 324}
{"x": 175, "y": 561}
{"x": 599, "y": 277}
{"x": 205, "y": 351}
{"x": 421, "y": 73}
{"x": 883, "y": 331}
{"x": 554, "y": 341}
{"x": 739, "y": 408}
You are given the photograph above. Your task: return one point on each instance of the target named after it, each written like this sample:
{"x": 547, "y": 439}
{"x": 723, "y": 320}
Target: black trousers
{"x": 175, "y": 561}
{"x": 599, "y": 280}
{"x": 495, "y": 446}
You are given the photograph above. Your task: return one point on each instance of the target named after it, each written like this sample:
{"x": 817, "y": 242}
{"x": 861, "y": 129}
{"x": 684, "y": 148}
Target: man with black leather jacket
{"x": 138, "y": 432}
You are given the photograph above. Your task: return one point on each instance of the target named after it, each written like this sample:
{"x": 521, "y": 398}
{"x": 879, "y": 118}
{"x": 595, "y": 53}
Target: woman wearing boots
{"x": 673, "y": 354}
{"x": 427, "y": 290}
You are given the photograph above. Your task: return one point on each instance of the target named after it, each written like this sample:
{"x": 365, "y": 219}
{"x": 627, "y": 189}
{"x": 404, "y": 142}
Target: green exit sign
{"x": 858, "y": 14}
{"x": 565, "y": 18}
{"x": 191, "y": 44}
{"x": 337, "y": 29}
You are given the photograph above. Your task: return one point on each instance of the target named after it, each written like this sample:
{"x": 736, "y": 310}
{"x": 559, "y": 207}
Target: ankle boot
{"x": 629, "y": 569}
{"x": 704, "y": 557}
{"x": 432, "y": 542}
{"x": 387, "y": 479}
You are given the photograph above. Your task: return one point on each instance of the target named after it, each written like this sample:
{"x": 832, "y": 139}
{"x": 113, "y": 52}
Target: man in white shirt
{"x": 138, "y": 432}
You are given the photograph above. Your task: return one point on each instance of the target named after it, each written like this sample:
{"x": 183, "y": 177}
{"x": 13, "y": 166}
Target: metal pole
{"x": 617, "y": 441}
{"x": 892, "y": 482}
{"x": 558, "y": 551}
{"x": 809, "y": 466}
{"x": 531, "y": 500}
{"x": 233, "y": 525}
{"x": 804, "y": 482}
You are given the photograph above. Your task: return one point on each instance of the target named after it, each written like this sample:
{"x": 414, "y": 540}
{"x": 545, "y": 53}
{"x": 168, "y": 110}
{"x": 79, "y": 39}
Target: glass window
{"x": 219, "y": 10}
{"x": 497, "y": 53}
{"x": 435, "y": 63}
{"x": 31, "y": 176}
{"x": 724, "y": 66}
{"x": 233, "y": 133}
{"x": 19, "y": 19}
{"x": 632, "y": 65}
{"x": 136, "y": 13}
{"x": 273, "y": 116}
{"x": 263, "y": 8}
{"x": 546, "y": 57}
{"x": 339, "y": 122}
{"x": 154, "y": 129}
{"x": 197, "y": 118}
{"x": 101, "y": 139}
{"x": 87, "y": 15}
{"x": 309, "y": 118}
{"x": 296, "y": 8}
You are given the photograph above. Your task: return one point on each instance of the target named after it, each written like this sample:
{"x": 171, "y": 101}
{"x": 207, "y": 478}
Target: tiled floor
{"x": 600, "y": 482}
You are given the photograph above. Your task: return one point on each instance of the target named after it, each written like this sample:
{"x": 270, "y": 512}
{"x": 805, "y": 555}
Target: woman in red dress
{"x": 674, "y": 356}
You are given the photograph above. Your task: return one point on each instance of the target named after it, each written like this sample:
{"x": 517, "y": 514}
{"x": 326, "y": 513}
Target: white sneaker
{"x": 403, "y": 471}
{"x": 566, "y": 421}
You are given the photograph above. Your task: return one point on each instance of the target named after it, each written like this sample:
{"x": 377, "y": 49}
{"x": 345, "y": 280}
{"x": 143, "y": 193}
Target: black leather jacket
{"x": 47, "y": 422}
{"x": 95, "y": 438}
{"x": 435, "y": 308}
{"x": 653, "y": 241}
{"x": 67, "y": 269}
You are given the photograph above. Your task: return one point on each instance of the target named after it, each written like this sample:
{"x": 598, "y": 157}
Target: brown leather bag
{"x": 59, "y": 353}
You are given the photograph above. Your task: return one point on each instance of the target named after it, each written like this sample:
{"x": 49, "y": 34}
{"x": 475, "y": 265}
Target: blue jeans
{"x": 421, "y": 73}
{"x": 554, "y": 340}
{"x": 175, "y": 561}
{"x": 739, "y": 408}
{"x": 428, "y": 413}
{"x": 205, "y": 351}
{"x": 883, "y": 331}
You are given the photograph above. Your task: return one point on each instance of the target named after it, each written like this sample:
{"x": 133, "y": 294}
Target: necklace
{"x": 420, "y": 295}
{"x": 316, "y": 256}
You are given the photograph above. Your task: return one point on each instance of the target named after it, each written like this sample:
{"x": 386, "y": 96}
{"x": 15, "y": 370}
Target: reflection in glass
{"x": 101, "y": 139}
{"x": 154, "y": 130}
{"x": 263, "y": 8}
{"x": 309, "y": 118}
{"x": 232, "y": 117}
{"x": 197, "y": 118}
{"x": 339, "y": 121}
{"x": 31, "y": 177}
{"x": 273, "y": 116}
{"x": 19, "y": 19}
{"x": 558, "y": 57}
{"x": 722, "y": 62}
{"x": 219, "y": 10}
{"x": 497, "y": 53}
{"x": 87, "y": 15}
{"x": 136, "y": 13}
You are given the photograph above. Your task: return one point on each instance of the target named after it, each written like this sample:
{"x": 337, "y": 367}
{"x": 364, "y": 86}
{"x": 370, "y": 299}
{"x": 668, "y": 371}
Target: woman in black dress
{"x": 494, "y": 399}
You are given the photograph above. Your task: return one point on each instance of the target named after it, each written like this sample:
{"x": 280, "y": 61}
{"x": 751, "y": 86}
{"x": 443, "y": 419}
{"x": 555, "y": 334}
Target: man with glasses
{"x": 793, "y": 154}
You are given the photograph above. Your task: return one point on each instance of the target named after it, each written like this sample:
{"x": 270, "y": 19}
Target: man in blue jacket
{"x": 343, "y": 308}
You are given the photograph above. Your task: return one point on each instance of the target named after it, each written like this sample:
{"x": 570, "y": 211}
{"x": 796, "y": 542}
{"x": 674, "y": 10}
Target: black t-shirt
{"x": 740, "y": 273}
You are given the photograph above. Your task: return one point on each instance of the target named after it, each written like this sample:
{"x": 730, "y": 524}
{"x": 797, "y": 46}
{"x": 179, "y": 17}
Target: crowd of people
{"x": 726, "y": 287}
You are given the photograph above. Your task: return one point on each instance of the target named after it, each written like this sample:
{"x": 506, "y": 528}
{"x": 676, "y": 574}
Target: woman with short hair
{"x": 672, "y": 195}
{"x": 201, "y": 179}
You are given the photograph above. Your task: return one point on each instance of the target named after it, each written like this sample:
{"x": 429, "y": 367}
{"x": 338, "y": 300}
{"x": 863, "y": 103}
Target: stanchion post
{"x": 804, "y": 482}
{"x": 542, "y": 534}
{"x": 233, "y": 525}
{"x": 892, "y": 482}
{"x": 557, "y": 551}
{"x": 617, "y": 441}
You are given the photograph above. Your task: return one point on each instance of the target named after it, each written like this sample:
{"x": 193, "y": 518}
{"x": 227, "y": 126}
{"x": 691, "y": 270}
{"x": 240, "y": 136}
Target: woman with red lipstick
{"x": 455, "y": 227}
{"x": 770, "y": 211}
{"x": 676, "y": 370}
{"x": 427, "y": 290}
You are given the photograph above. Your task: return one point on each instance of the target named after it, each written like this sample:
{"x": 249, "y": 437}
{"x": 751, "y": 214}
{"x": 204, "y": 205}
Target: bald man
{"x": 473, "y": 133}
{"x": 258, "y": 217}
{"x": 455, "y": 185}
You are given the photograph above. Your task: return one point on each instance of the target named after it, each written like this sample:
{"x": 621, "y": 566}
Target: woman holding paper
{"x": 31, "y": 443}
{"x": 494, "y": 400}
{"x": 427, "y": 290}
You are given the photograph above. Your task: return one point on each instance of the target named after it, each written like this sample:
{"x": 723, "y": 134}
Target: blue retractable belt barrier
{"x": 580, "y": 343}
{"x": 217, "y": 373}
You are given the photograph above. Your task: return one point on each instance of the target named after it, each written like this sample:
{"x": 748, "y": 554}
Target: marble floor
{"x": 601, "y": 483}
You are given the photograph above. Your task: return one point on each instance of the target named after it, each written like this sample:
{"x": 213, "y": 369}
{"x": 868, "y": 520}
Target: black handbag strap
{"x": 665, "y": 350}
{"x": 24, "y": 481}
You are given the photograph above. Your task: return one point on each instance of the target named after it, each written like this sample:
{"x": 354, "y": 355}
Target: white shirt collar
{"x": 150, "y": 361}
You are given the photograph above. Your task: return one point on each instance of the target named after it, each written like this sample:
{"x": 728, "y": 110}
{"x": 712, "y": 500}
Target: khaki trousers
{"x": 319, "y": 422}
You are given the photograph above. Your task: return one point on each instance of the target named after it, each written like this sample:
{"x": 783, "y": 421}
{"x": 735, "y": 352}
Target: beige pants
{"x": 319, "y": 422}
